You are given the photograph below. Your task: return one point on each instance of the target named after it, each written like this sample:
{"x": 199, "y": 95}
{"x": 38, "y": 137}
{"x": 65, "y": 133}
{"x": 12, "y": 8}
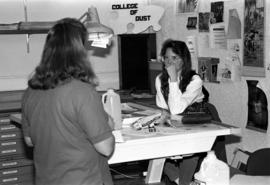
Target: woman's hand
{"x": 165, "y": 116}
{"x": 172, "y": 71}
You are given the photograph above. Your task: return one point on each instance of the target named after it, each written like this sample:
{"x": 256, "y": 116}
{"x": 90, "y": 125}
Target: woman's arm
{"x": 178, "y": 101}
{"x": 25, "y": 122}
{"x": 94, "y": 121}
{"x": 106, "y": 146}
{"x": 160, "y": 101}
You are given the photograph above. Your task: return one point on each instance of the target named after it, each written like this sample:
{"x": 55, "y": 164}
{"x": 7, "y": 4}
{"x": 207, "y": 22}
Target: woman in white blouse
{"x": 178, "y": 87}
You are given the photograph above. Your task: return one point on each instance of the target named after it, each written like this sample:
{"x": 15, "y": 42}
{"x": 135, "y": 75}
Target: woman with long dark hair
{"x": 62, "y": 114}
{"x": 178, "y": 87}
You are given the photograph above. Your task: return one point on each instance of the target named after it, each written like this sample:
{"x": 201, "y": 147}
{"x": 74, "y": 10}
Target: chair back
{"x": 258, "y": 162}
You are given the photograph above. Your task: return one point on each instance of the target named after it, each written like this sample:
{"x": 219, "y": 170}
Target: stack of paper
{"x": 100, "y": 40}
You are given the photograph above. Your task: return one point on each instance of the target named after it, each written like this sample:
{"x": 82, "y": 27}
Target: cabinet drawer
{"x": 4, "y": 120}
{"x": 12, "y": 147}
{"x": 11, "y": 135}
{"x": 18, "y": 171}
{"x": 25, "y": 179}
{"x": 15, "y": 143}
{"x": 4, "y": 128}
{"x": 6, "y": 163}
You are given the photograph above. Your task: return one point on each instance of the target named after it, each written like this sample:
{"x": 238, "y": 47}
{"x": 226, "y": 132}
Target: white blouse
{"x": 178, "y": 101}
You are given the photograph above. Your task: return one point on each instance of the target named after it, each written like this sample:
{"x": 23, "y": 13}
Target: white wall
{"x": 17, "y": 64}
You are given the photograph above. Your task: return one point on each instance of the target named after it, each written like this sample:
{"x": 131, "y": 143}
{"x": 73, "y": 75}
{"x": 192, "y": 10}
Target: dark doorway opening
{"x": 135, "y": 50}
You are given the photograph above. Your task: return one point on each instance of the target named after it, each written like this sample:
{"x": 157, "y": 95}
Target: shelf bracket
{"x": 26, "y": 19}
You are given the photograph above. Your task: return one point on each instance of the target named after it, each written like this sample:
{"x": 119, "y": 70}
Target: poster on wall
{"x": 253, "y": 51}
{"x": 204, "y": 21}
{"x": 134, "y": 18}
{"x": 186, "y": 6}
{"x": 216, "y": 15}
{"x": 192, "y": 23}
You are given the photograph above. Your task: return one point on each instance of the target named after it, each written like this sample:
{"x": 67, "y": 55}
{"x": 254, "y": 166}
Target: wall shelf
{"x": 26, "y": 28}
{"x": 24, "y": 31}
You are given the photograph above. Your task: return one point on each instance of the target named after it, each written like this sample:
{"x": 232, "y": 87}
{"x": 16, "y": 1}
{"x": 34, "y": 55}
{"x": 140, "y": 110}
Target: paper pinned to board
{"x": 100, "y": 42}
{"x": 218, "y": 38}
{"x": 234, "y": 26}
{"x": 191, "y": 44}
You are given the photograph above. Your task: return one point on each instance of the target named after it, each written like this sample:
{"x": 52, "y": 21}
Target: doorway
{"x": 135, "y": 50}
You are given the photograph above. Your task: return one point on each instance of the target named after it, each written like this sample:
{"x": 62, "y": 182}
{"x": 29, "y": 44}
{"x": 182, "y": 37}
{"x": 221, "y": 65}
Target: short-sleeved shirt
{"x": 63, "y": 124}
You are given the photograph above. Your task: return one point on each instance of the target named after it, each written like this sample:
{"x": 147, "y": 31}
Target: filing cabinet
{"x": 11, "y": 142}
{"x": 16, "y": 164}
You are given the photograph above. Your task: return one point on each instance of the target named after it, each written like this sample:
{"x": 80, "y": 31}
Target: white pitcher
{"x": 112, "y": 105}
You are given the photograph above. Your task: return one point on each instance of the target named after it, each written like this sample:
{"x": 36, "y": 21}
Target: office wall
{"x": 17, "y": 64}
{"x": 230, "y": 98}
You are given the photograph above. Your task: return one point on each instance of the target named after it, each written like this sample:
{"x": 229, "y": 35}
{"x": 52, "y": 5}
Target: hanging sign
{"x": 134, "y": 18}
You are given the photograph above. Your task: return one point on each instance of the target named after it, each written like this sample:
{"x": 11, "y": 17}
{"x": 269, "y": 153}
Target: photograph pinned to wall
{"x": 203, "y": 68}
{"x": 186, "y": 6}
{"x": 214, "y": 69}
{"x": 208, "y": 68}
{"x": 192, "y": 23}
{"x": 253, "y": 51}
{"x": 225, "y": 73}
{"x": 216, "y": 14}
{"x": 204, "y": 21}
{"x": 257, "y": 107}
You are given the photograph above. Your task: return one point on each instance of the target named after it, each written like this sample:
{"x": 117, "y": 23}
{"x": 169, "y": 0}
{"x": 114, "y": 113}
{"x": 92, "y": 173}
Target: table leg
{"x": 154, "y": 170}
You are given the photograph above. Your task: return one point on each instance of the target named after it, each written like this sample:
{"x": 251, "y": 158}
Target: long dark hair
{"x": 64, "y": 57}
{"x": 179, "y": 48}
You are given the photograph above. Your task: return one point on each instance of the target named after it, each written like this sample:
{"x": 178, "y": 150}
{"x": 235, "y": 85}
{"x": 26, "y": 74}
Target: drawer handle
{"x": 9, "y": 143}
{"x": 8, "y": 136}
{"x": 8, "y": 128}
{"x": 10, "y": 172}
{"x": 4, "y": 120}
{"x": 9, "y": 164}
{"x": 10, "y": 179}
{"x": 8, "y": 151}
